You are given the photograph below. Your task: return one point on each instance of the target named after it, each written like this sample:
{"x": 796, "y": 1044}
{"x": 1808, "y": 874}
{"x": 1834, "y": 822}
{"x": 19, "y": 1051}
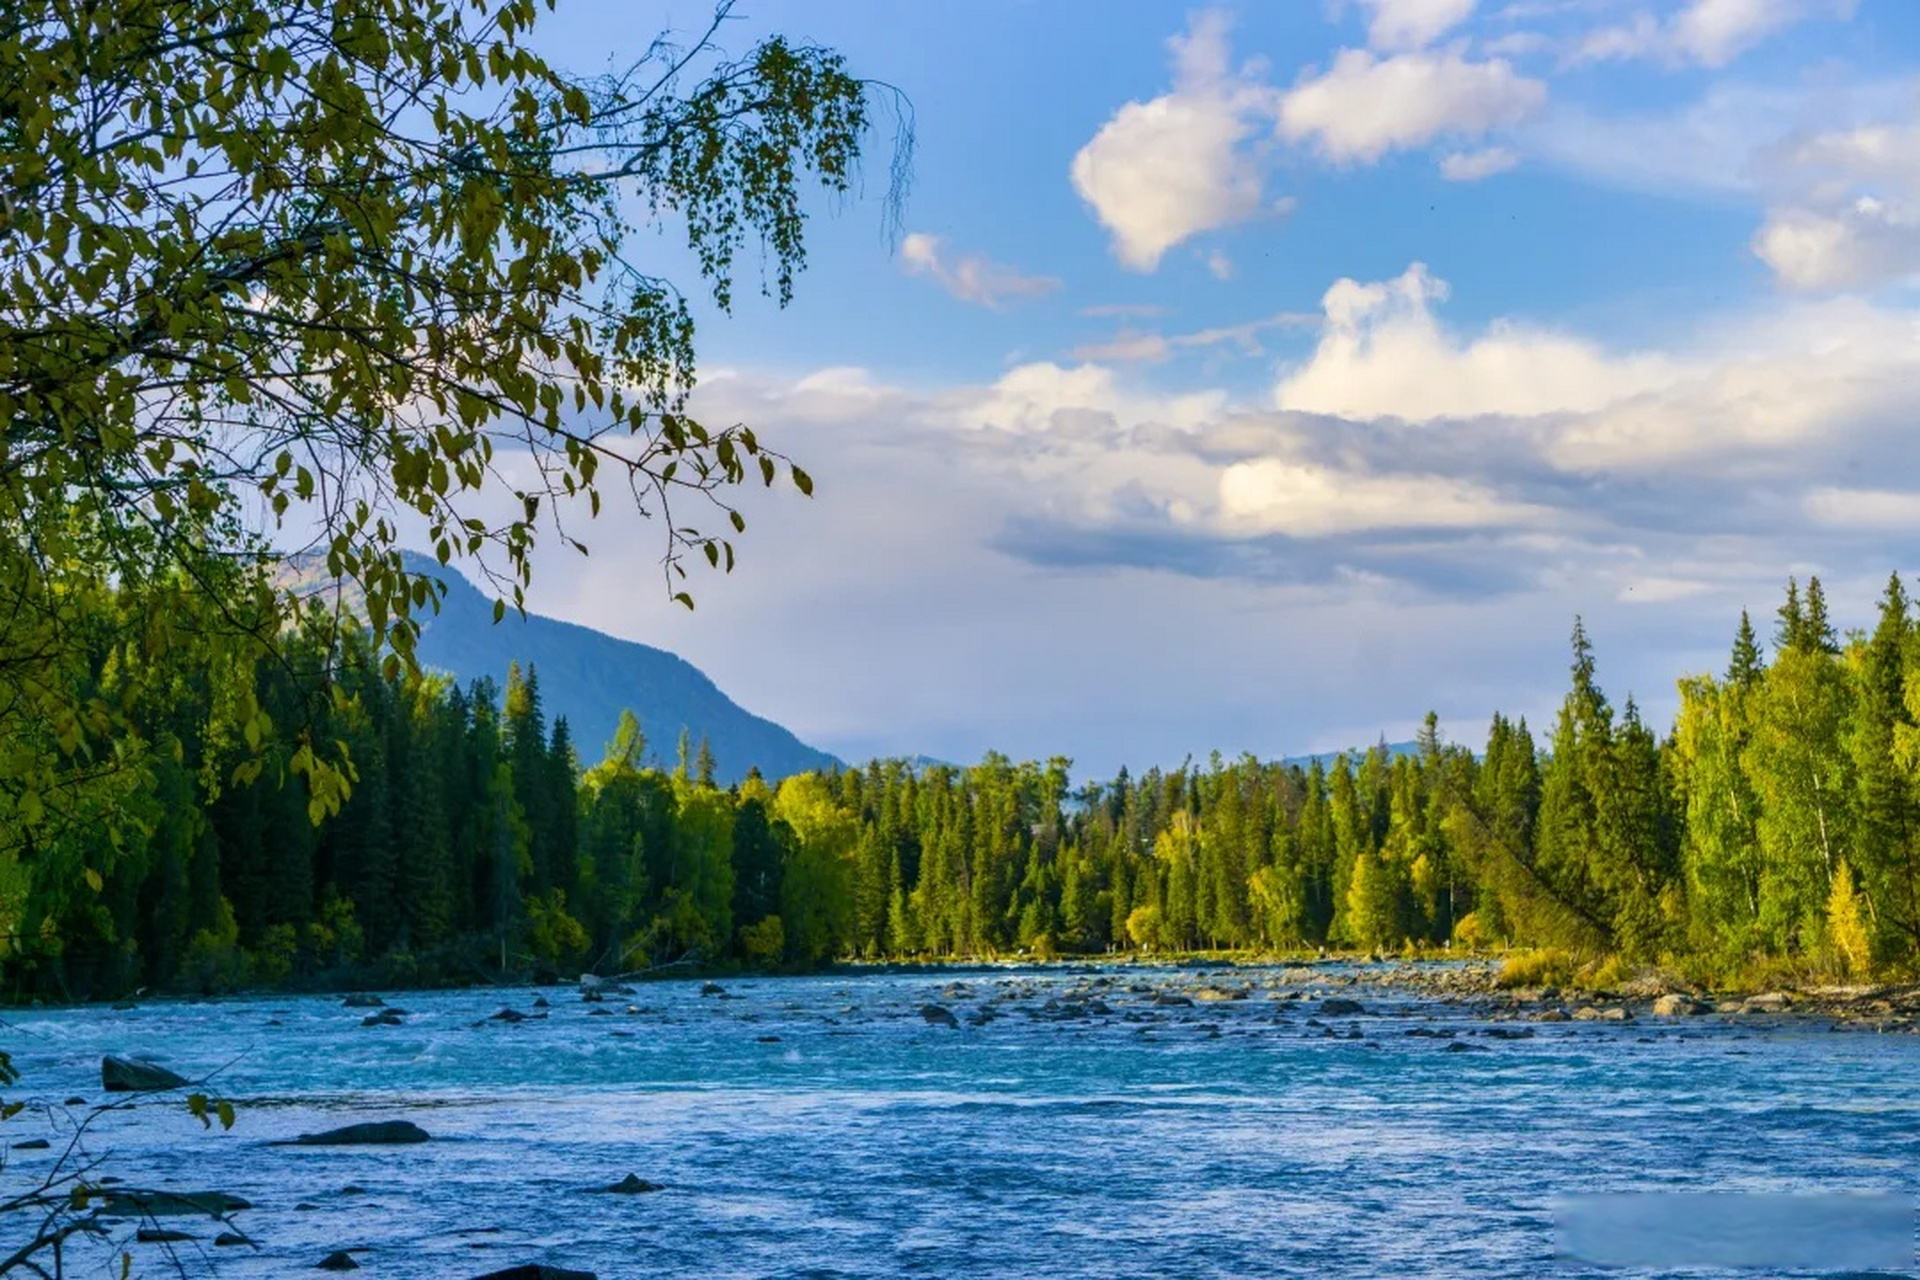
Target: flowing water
{"x": 821, "y": 1127}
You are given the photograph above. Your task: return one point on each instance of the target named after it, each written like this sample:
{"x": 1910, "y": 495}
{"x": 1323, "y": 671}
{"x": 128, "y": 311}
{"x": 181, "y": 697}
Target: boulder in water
{"x": 712, "y": 989}
{"x": 630, "y": 1185}
{"x": 32, "y": 1144}
{"x": 131, "y": 1075}
{"x": 1677, "y": 1004}
{"x": 226, "y": 1239}
{"x": 507, "y": 1015}
{"x": 939, "y": 1016}
{"x": 161, "y": 1235}
{"x": 1341, "y": 1007}
{"x": 385, "y": 1018}
{"x": 1169, "y": 999}
{"x": 130, "y": 1203}
{"x": 372, "y": 1133}
{"x": 537, "y": 1271}
{"x": 338, "y": 1260}
{"x": 362, "y": 1000}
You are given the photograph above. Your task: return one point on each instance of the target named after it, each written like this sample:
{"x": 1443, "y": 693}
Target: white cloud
{"x": 1880, "y": 509}
{"x": 970, "y": 277}
{"x": 1302, "y": 499}
{"x": 1708, "y": 33}
{"x": 1364, "y": 106}
{"x": 1849, "y": 209}
{"x": 1130, "y": 345}
{"x": 1401, "y": 25}
{"x": 1714, "y": 32}
{"x": 1219, "y": 265}
{"x": 1861, "y": 245}
{"x": 1162, "y": 171}
{"x": 1472, "y": 166}
{"x": 1384, "y": 354}
{"x": 1757, "y": 393}
{"x": 1037, "y": 398}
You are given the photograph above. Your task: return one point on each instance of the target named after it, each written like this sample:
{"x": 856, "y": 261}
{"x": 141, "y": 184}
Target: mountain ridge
{"x": 590, "y": 677}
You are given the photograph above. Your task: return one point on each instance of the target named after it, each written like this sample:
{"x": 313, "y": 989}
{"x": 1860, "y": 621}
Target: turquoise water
{"x": 820, "y": 1127}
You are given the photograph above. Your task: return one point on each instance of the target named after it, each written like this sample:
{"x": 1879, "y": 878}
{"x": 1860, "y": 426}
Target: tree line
{"x": 1778, "y": 822}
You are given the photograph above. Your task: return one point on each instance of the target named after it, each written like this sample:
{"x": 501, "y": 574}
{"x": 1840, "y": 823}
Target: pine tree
{"x": 1746, "y": 666}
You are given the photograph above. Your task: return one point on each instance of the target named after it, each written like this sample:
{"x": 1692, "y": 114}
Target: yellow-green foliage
{"x": 1143, "y": 926}
{"x": 552, "y": 934}
{"x": 1846, "y": 927}
{"x": 764, "y": 942}
{"x": 1547, "y": 967}
{"x": 1470, "y": 932}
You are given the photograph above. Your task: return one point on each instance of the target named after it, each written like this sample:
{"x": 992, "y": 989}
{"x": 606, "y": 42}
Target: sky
{"x": 1259, "y": 377}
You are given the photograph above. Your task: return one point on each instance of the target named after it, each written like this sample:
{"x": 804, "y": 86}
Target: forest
{"x": 1777, "y": 824}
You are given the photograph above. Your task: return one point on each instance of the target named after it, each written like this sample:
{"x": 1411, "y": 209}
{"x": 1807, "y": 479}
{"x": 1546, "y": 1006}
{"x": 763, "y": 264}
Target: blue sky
{"x": 1259, "y": 376}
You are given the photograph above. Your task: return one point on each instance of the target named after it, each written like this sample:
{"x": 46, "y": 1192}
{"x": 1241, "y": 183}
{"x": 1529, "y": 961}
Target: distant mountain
{"x": 590, "y": 677}
{"x": 1326, "y": 758}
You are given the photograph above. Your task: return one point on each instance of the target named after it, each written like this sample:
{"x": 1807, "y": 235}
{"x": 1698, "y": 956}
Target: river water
{"x": 821, "y": 1127}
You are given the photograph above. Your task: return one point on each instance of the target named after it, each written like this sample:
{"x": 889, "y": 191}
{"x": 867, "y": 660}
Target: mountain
{"x": 1326, "y": 758}
{"x": 590, "y": 677}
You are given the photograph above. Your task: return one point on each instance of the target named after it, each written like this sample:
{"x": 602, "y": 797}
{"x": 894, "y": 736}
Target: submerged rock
{"x": 631, "y": 1185}
{"x": 712, "y": 989}
{"x": 507, "y": 1015}
{"x": 226, "y": 1239}
{"x": 368, "y": 1133}
{"x": 385, "y": 1018}
{"x": 1169, "y": 999}
{"x": 131, "y": 1075}
{"x": 338, "y": 1260}
{"x": 362, "y": 1000}
{"x": 162, "y": 1235}
{"x": 537, "y": 1271}
{"x": 1341, "y": 1007}
{"x": 130, "y": 1203}
{"x": 939, "y": 1015}
{"x": 32, "y": 1144}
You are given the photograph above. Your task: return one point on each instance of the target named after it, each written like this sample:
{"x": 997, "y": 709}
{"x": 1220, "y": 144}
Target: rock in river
{"x": 338, "y": 1260}
{"x": 939, "y": 1016}
{"x": 1340, "y": 1007}
{"x": 379, "y": 1133}
{"x": 630, "y": 1185}
{"x": 537, "y": 1271}
{"x": 131, "y": 1203}
{"x": 1678, "y": 1006}
{"x": 130, "y": 1075}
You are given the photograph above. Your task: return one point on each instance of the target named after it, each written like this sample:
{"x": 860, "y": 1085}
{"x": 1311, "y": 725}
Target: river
{"x": 822, "y": 1127}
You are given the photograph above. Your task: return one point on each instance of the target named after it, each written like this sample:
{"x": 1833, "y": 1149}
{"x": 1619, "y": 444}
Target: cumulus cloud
{"x": 1751, "y": 396}
{"x": 1043, "y": 398}
{"x": 1383, "y": 353}
{"x": 1860, "y": 245}
{"x": 1849, "y": 210}
{"x": 1707, "y": 33}
{"x": 970, "y": 277}
{"x": 1364, "y": 106}
{"x": 1472, "y": 166}
{"x": 1303, "y": 499}
{"x": 1399, "y": 25}
{"x": 1162, "y": 171}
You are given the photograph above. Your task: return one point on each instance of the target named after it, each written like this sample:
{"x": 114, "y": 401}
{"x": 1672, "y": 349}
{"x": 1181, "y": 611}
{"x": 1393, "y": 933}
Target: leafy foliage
{"x": 283, "y": 270}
